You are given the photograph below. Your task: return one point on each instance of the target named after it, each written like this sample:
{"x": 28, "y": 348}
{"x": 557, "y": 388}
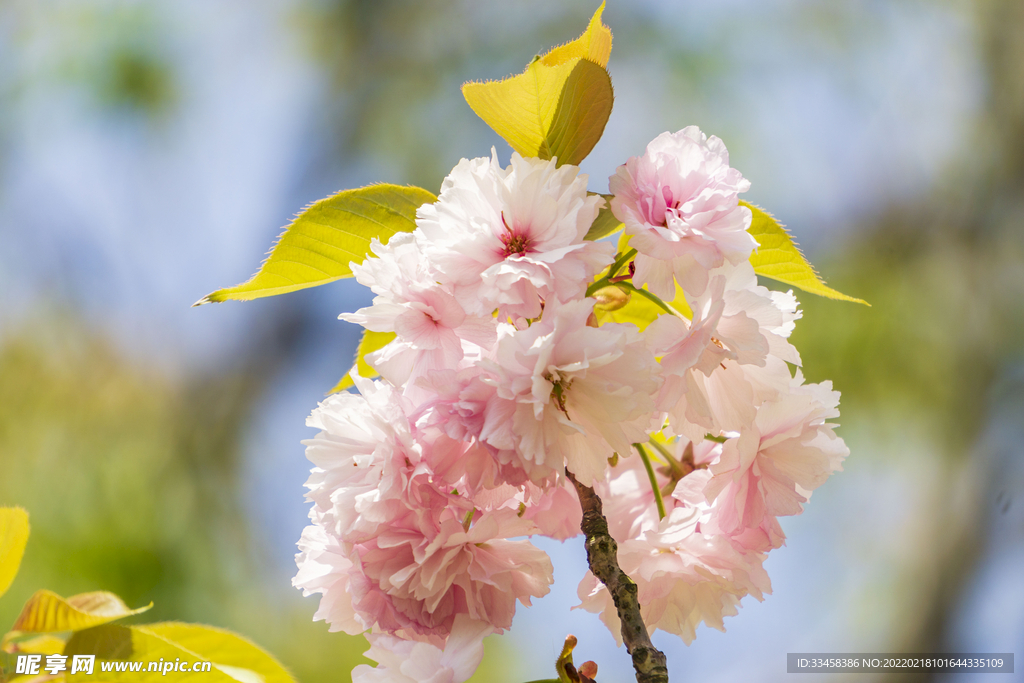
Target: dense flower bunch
{"x": 504, "y": 375}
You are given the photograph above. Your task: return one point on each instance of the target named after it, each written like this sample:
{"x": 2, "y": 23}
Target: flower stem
{"x": 602, "y": 556}
{"x": 664, "y": 451}
{"x": 668, "y": 308}
{"x": 612, "y": 272}
{"x": 598, "y": 285}
{"x": 621, "y": 261}
{"x": 654, "y": 482}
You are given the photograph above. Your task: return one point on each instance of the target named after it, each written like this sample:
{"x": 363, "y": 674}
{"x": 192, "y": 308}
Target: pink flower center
{"x": 671, "y": 204}
{"x": 514, "y": 240}
{"x": 656, "y": 209}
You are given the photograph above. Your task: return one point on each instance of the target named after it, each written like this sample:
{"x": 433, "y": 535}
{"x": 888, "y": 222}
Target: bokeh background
{"x": 151, "y": 151}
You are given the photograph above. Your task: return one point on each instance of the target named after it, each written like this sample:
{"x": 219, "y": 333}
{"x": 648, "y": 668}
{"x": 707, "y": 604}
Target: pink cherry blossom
{"x": 324, "y": 568}
{"x": 555, "y": 510}
{"x": 771, "y": 468}
{"x": 723, "y": 363}
{"x": 500, "y": 379}
{"x": 415, "y": 577}
{"x": 410, "y": 661}
{"x": 679, "y": 203}
{"x": 686, "y": 571}
{"x": 430, "y": 324}
{"x": 683, "y": 576}
{"x": 512, "y": 239}
{"x": 363, "y": 457}
{"x": 569, "y": 395}
{"x": 457, "y": 406}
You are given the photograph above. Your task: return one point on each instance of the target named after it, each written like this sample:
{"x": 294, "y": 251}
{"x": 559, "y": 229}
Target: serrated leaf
{"x": 229, "y": 651}
{"x": 14, "y": 530}
{"x": 328, "y": 235}
{"x": 778, "y": 257}
{"x": 547, "y": 111}
{"x": 559, "y": 105}
{"x": 595, "y": 44}
{"x": 47, "y": 612}
{"x": 371, "y": 341}
{"x": 129, "y": 645}
{"x": 606, "y": 223}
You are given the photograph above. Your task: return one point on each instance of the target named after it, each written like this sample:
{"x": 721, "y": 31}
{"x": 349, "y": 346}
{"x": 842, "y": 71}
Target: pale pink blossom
{"x": 686, "y": 572}
{"x": 626, "y": 492}
{"x": 512, "y": 239}
{"x": 499, "y": 381}
{"x": 363, "y": 457}
{"x": 770, "y": 469}
{"x": 679, "y": 202}
{"x": 431, "y": 326}
{"x": 554, "y": 509}
{"x": 683, "y": 577}
{"x": 457, "y": 406}
{"x": 418, "y": 575}
{"x": 456, "y": 402}
{"x": 324, "y": 568}
{"x": 627, "y": 496}
{"x": 729, "y": 357}
{"x": 569, "y": 395}
{"x": 410, "y": 661}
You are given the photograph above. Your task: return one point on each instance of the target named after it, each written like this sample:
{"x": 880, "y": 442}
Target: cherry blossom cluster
{"x": 504, "y": 375}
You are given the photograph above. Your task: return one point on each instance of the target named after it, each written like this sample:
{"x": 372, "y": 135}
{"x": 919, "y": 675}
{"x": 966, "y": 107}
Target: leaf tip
{"x": 343, "y": 384}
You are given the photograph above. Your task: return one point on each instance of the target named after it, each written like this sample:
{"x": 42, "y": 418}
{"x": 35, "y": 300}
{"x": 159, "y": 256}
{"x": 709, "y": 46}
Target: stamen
{"x": 559, "y": 387}
{"x": 514, "y": 241}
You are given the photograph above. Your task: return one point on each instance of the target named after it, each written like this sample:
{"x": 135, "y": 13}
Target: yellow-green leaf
{"x": 371, "y": 341}
{"x": 13, "y": 537}
{"x": 138, "y": 646}
{"x": 42, "y": 643}
{"x": 606, "y": 223}
{"x": 47, "y": 612}
{"x": 328, "y": 235}
{"x": 779, "y": 258}
{"x": 559, "y": 106}
{"x": 640, "y": 310}
{"x": 594, "y": 45}
{"x": 230, "y": 652}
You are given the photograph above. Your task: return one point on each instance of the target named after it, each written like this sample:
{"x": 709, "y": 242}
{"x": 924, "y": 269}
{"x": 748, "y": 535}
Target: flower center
{"x": 514, "y": 241}
{"x": 671, "y": 204}
{"x": 559, "y": 387}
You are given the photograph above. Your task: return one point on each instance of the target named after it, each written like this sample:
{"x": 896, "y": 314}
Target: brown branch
{"x": 602, "y": 556}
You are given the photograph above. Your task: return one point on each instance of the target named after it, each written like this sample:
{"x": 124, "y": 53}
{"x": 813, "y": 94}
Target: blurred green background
{"x": 151, "y": 151}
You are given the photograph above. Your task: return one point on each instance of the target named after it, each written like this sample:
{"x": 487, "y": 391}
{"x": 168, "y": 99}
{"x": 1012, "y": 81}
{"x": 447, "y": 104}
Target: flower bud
{"x": 611, "y": 298}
